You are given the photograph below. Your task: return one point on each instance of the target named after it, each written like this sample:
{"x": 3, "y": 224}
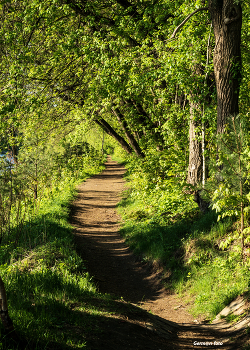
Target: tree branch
{"x": 110, "y": 131}
{"x": 120, "y": 117}
{"x": 185, "y": 20}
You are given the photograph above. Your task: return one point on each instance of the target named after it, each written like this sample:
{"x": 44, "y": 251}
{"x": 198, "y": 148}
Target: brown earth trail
{"x": 117, "y": 271}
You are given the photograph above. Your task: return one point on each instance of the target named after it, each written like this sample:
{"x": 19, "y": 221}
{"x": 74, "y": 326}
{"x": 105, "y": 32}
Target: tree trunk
{"x": 132, "y": 140}
{"x": 196, "y": 161}
{"x": 110, "y": 131}
{"x": 227, "y": 20}
{"x": 103, "y": 137}
{"x": 195, "y": 148}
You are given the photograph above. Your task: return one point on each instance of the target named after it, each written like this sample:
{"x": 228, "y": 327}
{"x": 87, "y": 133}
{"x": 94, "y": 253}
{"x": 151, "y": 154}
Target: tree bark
{"x": 195, "y": 148}
{"x": 196, "y": 161}
{"x": 227, "y": 21}
{"x": 110, "y": 131}
{"x": 120, "y": 117}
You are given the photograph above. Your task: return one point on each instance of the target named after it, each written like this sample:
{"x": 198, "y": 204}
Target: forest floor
{"x": 143, "y": 315}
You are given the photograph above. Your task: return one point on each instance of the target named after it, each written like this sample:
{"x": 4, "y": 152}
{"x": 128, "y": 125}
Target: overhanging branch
{"x": 124, "y": 124}
{"x": 110, "y": 131}
{"x": 185, "y": 20}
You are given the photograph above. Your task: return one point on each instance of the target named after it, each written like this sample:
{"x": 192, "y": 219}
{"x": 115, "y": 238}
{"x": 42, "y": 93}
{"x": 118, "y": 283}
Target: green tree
{"x": 116, "y": 62}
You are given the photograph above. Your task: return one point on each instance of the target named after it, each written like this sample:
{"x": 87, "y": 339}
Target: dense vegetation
{"x": 42, "y": 273}
{"x": 201, "y": 256}
{"x": 165, "y": 80}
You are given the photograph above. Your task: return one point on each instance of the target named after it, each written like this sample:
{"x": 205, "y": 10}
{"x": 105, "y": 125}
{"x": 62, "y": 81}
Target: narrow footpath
{"x": 164, "y": 322}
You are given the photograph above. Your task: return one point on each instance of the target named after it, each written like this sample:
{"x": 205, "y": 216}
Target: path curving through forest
{"x": 117, "y": 271}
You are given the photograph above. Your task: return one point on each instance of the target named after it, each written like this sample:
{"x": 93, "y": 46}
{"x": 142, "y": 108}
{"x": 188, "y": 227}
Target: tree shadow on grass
{"x": 53, "y": 311}
{"x": 50, "y": 319}
{"x": 56, "y": 314}
{"x": 128, "y": 327}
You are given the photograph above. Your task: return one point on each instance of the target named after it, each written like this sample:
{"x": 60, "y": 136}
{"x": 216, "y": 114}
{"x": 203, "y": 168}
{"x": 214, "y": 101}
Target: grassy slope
{"x": 202, "y": 257}
{"x": 52, "y": 300}
{"x": 55, "y": 305}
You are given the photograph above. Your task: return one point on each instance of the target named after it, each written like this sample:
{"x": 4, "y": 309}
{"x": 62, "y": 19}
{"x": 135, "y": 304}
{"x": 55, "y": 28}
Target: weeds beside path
{"x": 118, "y": 272}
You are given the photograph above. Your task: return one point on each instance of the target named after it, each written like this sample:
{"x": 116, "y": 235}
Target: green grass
{"x": 52, "y": 300}
{"x": 201, "y": 256}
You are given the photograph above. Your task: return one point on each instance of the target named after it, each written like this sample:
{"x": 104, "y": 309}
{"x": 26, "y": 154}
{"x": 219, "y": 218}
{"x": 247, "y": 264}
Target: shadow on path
{"x": 107, "y": 256}
{"x": 116, "y": 271}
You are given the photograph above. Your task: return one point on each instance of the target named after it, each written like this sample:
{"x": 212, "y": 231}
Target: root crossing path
{"x": 118, "y": 272}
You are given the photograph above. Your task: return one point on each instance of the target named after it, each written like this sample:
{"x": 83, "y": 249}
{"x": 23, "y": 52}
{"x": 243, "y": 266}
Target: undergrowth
{"x": 202, "y": 256}
{"x": 52, "y": 300}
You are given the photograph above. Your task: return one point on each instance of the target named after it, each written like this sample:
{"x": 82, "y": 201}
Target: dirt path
{"x": 117, "y": 271}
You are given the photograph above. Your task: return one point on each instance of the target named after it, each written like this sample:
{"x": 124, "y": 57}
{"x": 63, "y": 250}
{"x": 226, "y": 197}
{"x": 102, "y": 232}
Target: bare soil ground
{"x": 149, "y": 317}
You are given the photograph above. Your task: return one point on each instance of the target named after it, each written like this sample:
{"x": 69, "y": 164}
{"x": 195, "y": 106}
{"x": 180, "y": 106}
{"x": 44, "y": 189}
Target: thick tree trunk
{"x": 227, "y": 20}
{"x": 110, "y": 131}
{"x": 120, "y": 117}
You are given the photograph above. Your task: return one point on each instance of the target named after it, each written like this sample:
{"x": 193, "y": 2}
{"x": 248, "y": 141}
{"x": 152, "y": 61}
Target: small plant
{"x": 232, "y": 318}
